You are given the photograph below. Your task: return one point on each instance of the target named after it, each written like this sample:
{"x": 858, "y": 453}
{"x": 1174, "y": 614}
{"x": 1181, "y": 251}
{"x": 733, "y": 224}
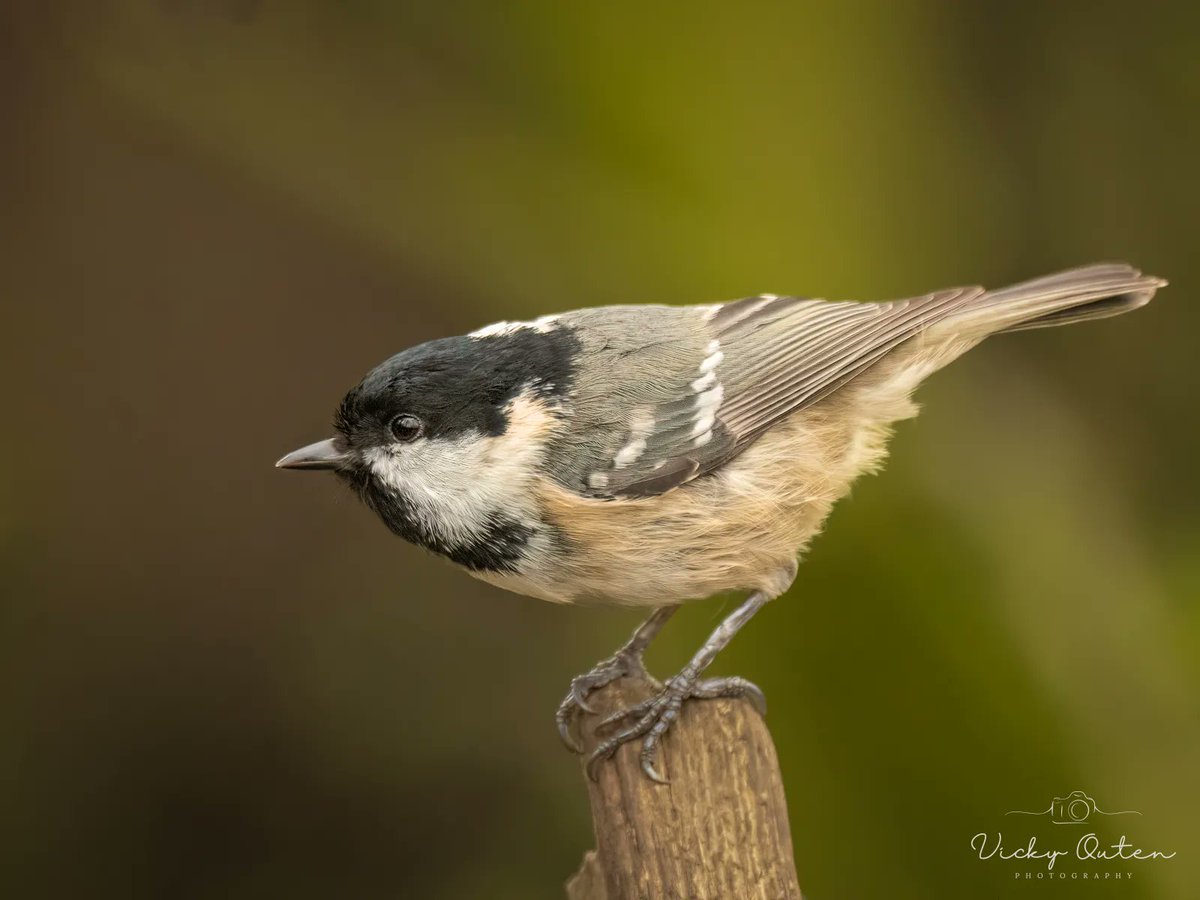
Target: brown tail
{"x": 1076, "y": 295}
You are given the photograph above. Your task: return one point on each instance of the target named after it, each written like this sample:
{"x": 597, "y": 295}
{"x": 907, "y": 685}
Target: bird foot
{"x": 622, "y": 664}
{"x": 653, "y": 716}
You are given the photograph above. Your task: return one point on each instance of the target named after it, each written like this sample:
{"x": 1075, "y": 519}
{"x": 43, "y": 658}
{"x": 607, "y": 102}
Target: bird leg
{"x": 627, "y": 661}
{"x": 652, "y": 717}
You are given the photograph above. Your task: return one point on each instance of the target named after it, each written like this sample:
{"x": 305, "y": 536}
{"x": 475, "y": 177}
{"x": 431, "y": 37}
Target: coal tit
{"x": 651, "y": 455}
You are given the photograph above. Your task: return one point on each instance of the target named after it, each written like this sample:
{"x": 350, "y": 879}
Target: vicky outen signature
{"x": 1088, "y": 848}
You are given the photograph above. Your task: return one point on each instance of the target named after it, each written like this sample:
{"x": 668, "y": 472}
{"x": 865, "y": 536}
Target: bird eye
{"x": 406, "y": 428}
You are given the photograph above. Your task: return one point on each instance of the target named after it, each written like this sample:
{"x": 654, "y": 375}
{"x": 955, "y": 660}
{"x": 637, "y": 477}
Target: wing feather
{"x": 816, "y": 348}
{"x": 659, "y": 413}
{"x": 758, "y": 361}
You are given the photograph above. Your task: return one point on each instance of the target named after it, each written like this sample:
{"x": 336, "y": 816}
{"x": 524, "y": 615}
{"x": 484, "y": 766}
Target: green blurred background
{"x": 223, "y": 681}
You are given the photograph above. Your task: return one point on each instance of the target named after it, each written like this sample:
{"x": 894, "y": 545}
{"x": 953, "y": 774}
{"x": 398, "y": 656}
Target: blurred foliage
{"x": 223, "y": 682}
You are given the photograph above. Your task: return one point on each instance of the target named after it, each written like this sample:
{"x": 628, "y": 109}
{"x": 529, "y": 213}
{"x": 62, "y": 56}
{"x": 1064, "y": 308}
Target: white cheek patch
{"x": 457, "y": 486}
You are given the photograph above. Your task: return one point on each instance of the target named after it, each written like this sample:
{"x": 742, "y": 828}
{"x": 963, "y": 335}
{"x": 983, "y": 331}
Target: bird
{"x": 652, "y": 455}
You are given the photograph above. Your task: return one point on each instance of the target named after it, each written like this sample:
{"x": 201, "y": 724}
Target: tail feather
{"x": 1076, "y": 295}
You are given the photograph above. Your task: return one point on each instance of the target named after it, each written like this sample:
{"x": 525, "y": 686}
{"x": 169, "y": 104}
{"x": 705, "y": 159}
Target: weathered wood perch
{"x": 718, "y": 831}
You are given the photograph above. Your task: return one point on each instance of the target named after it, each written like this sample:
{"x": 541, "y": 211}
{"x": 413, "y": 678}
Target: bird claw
{"x": 732, "y": 686}
{"x": 654, "y": 716}
{"x": 622, "y": 664}
{"x": 579, "y": 695}
{"x": 630, "y": 712}
{"x": 652, "y": 773}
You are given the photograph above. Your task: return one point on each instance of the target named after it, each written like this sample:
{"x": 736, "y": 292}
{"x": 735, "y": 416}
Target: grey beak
{"x": 321, "y": 455}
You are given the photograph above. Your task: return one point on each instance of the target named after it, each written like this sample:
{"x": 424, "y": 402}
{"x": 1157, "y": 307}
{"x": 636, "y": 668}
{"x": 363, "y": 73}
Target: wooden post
{"x": 718, "y": 831}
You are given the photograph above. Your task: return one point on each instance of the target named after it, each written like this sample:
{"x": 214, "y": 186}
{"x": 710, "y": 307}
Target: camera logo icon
{"x": 1074, "y": 809}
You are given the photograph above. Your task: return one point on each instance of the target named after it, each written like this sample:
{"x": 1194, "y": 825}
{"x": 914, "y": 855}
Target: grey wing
{"x": 732, "y": 371}
{"x": 643, "y": 402}
{"x": 787, "y": 354}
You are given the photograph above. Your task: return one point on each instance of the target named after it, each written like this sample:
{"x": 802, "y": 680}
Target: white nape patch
{"x": 499, "y": 329}
{"x": 639, "y": 429}
{"x": 456, "y": 486}
{"x": 597, "y": 480}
